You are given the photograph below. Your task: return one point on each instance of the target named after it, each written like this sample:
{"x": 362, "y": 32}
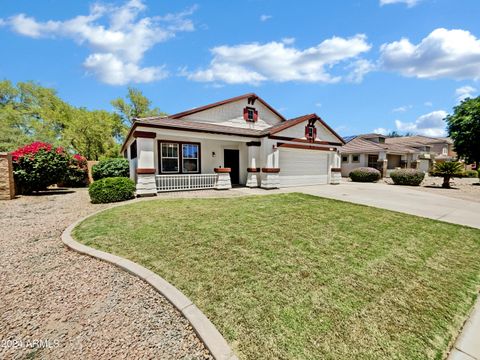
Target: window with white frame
{"x": 345, "y": 158}
{"x": 190, "y": 158}
{"x": 169, "y": 158}
{"x": 445, "y": 151}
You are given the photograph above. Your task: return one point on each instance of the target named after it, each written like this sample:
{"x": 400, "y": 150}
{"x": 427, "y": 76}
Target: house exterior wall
{"x": 148, "y": 155}
{"x": 231, "y": 114}
{"x": 350, "y": 165}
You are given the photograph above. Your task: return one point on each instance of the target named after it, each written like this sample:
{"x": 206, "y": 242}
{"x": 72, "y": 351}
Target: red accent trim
{"x": 206, "y": 107}
{"x": 336, "y": 170}
{"x": 295, "y": 121}
{"x": 245, "y": 114}
{"x": 144, "y": 134}
{"x": 222, "y": 170}
{"x": 255, "y": 115}
{"x": 145, "y": 171}
{"x": 305, "y": 147}
{"x": 285, "y": 138}
{"x": 253, "y": 170}
{"x": 271, "y": 170}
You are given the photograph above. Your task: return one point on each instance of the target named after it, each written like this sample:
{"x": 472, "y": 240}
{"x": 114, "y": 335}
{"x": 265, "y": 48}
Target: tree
{"x": 464, "y": 129}
{"x": 30, "y": 112}
{"x": 397, "y": 134}
{"x": 94, "y": 134}
{"x": 136, "y": 106}
{"x": 447, "y": 170}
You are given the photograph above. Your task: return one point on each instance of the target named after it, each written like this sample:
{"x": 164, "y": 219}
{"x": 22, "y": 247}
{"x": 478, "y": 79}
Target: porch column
{"x": 382, "y": 167}
{"x": 223, "y": 181}
{"x": 146, "y": 163}
{"x": 270, "y": 177}
{"x": 253, "y": 170}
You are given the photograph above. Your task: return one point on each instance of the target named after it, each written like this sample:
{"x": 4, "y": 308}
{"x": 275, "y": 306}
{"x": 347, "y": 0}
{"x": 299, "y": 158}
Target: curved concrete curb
{"x": 205, "y": 330}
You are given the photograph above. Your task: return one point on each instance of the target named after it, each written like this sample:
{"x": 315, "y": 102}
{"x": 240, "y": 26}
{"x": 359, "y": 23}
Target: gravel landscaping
{"x": 78, "y": 307}
{"x": 462, "y": 188}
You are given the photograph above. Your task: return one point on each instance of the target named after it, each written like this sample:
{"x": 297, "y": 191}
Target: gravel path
{"x": 73, "y": 306}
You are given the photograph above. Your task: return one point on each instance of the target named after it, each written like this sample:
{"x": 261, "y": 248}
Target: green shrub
{"x": 470, "y": 174}
{"x": 117, "y": 167}
{"x": 112, "y": 189}
{"x": 365, "y": 174}
{"x": 407, "y": 177}
{"x": 77, "y": 172}
{"x": 37, "y": 166}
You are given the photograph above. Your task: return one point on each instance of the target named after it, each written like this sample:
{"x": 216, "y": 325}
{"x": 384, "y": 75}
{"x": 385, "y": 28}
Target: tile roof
{"x": 404, "y": 144}
{"x": 418, "y": 140}
{"x": 361, "y": 145}
{"x": 169, "y": 123}
{"x": 219, "y": 103}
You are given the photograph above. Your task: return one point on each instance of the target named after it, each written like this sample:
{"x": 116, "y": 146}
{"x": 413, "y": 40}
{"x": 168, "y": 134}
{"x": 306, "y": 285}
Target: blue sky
{"x": 362, "y": 65}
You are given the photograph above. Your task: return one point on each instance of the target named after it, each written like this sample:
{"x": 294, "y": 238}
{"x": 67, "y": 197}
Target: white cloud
{"x": 117, "y": 36}
{"x": 402, "y": 108}
{"x": 318, "y": 104}
{"x": 409, "y": 3}
{"x": 442, "y": 54}
{"x": 275, "y": 61}
{"x": 265, "y": 17}
{"x": 428, "y": 103}
{"x": 288, "y": 40}
{"x": 111, "y": 70}
{"x": 431, "y": 124}
{"x": 465, "y": 92}
{"x": 359, "y": 69}
{"x": 381, "y": 131}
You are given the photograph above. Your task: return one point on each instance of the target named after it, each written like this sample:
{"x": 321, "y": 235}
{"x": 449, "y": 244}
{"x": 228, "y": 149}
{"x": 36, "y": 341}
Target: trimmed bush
{"x": 112, "y": 189}
{"x": 365, "y": 174}
{"x": 470, "y": 174}
{"x": 77, "y": 172}
{"x": 407, "y": 177}
{"x": 37, "y": 166}
{"x": 116, "y": 167}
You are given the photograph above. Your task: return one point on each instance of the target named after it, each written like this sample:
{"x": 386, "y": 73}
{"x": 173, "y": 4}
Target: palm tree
{"x": 447, "y": 170}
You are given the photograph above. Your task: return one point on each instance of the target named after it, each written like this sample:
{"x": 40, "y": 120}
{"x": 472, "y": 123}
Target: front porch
{"x": 173, "y": 161}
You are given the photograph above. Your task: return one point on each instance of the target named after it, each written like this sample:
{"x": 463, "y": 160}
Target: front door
{"x": 231, "y": 159}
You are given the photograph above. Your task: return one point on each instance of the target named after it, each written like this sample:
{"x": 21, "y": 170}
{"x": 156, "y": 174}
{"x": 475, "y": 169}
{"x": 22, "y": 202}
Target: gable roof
{"x": 227, "y": 101}
{"x": 292, "y": 122}
{"x": 169, "y": 123}
{"x": 418, "y": 140}
{"x": 361, "y": 144}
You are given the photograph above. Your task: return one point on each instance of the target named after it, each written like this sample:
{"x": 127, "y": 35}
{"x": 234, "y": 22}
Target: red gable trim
{"x": 300, "y": 119}
{"x": 223, "y": 102}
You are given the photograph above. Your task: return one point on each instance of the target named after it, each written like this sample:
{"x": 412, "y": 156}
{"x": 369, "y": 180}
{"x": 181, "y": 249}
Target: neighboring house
{"x": 243, "y": 137}
{"x": 388, "y": 153}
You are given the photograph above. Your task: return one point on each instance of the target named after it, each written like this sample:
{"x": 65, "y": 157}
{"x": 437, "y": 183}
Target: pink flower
{"x": 30, "y": 150}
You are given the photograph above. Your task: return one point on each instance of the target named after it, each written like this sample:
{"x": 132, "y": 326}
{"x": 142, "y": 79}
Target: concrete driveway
{"x": 402, "y": 199}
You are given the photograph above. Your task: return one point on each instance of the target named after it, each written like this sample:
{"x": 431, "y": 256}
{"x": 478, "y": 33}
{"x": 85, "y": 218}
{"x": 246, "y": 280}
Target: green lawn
{"x": 300, "y": 277}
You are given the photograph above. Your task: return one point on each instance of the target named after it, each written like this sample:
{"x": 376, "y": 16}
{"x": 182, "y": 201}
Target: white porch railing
{"x": 185, "y": 182}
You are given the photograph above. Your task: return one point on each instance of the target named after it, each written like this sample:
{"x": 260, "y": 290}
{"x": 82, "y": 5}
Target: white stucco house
{"x": 238, "y": 141}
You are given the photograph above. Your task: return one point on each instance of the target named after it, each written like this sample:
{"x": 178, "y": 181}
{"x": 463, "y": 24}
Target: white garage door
{"x": 303, "y": 167}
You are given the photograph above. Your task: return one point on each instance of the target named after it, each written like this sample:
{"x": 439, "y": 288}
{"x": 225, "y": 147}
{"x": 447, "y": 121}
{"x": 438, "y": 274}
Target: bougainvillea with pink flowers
{"x": 38, "y": 165}
{"x": 77, "y": 172}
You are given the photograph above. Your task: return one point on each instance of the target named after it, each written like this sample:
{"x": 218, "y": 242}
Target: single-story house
{"x": 389, "y": 153}
{"x": 239, "y": 141}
